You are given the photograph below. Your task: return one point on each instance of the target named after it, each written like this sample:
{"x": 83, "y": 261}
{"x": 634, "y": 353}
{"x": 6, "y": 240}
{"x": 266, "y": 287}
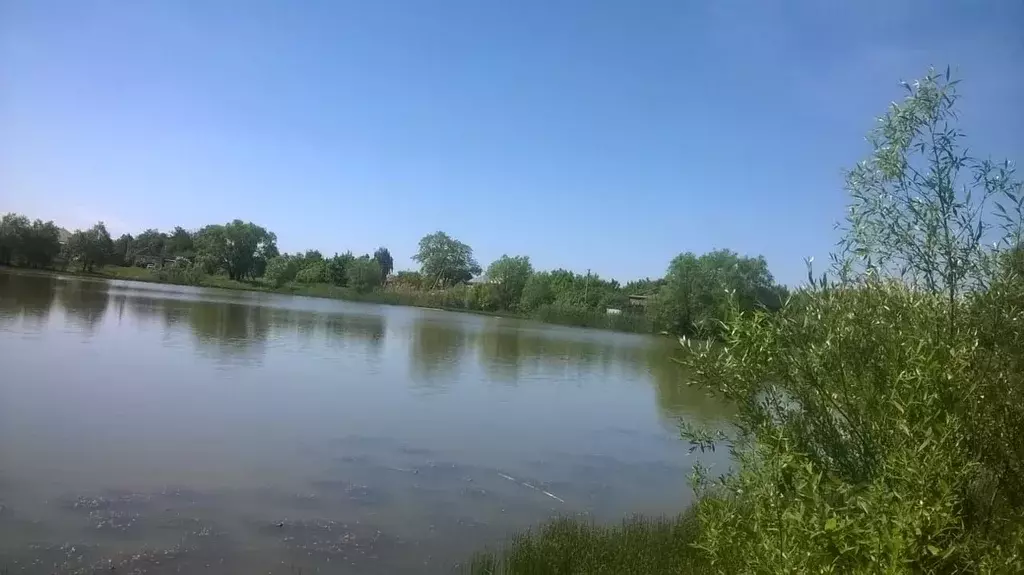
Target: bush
{"x": 314, "y": 273}
{"x": 363, "y": 274}
{"x": 880, "y": 417}
{"x": 182, "y": 273}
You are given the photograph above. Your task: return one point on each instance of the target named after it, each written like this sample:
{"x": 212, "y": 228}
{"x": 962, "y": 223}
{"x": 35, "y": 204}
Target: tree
{"x": 314, "y": 272}
{"x": 445, "y": 260}
{"x": 509, "y": 275}
{"x": 697, "y": 291}
{"x": 123, "y": 250}
{"x": 239, "y": 248}
{"x": 409, "y": 279}
{"x": 364, "y": 274}
{"x": 537, "y": 292}
{"x": 281, "y": 270}
{"x": 385, "y": 261}
{"x": 878, "y": 418}
{"x": 151, "y": 245}
{"x": 41, "y": 244}
{"x": 12, "y": 228}
{"x": 91, "y": 247}
{"x": 180, "y": 243}
{"x": 337, "y": 268}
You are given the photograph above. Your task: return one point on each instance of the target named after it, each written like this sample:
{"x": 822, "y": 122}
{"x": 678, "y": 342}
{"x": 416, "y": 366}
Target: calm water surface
{"x": 171, "y": 429}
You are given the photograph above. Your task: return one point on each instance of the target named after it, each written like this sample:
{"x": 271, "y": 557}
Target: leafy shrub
{"x": 315, "y": 272}
{"x": 880, "y": 417}
{"x": 363, "y": 274}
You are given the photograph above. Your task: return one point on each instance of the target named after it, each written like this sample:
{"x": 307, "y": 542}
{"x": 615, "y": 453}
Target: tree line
{"x": 691, "y": 298}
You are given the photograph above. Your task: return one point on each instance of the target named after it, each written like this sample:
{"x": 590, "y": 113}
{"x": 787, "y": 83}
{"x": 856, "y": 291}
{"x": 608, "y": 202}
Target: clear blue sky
{"x": 608, "y": 135}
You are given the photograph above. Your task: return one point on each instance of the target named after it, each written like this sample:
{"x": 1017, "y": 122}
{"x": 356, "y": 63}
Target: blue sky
{"x": 608, "y": 135}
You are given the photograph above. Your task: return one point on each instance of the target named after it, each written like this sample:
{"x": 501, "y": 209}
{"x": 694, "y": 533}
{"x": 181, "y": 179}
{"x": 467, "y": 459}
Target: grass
{"x": 570, "y": 546}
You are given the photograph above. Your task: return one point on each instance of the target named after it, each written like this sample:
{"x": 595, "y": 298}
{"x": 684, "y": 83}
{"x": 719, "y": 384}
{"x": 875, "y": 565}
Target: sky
{"x": 587, "y": 134}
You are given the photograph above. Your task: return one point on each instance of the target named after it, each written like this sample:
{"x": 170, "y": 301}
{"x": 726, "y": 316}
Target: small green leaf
{"x": 831, "y": 524}
{"x": 933, "y": 550}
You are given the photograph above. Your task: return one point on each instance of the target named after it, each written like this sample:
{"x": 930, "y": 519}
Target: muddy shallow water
{"x": 162, "y": 429}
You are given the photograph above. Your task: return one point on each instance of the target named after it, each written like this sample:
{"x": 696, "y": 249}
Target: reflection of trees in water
{"x": 169, "y": 312}
{"x": 344, "y": 327}
{"x": 510, "y": 353}
{"x": 230, "y": 330}
{"x": 84, "y": 302}
{"x": 27, "y": 298}
{"x": 436, "y": 349}
{"x": 676, "y": 399}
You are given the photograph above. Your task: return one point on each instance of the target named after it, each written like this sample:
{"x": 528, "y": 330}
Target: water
{"x": 175, "y": 429}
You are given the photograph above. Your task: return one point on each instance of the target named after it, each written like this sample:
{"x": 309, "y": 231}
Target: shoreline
{"x": 325, "y": 291}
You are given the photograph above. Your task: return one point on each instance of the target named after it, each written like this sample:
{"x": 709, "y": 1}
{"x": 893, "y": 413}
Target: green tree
{"x": 180, "y": 243}
{"x": 41, "y": 244}
{"x": 445, "y": 261}
{"x": 363, "y": 274}
{"x": 91, "y": 247}
{"x": 123, "y": 250}
{"x": 337, "y": 268}
{"x": 697, "y": 291}
{"x": 281, "y": 270}
{"x": 151, "y": 246}
{"x": 509, "y": 275}
{"x": 537, "y": 292}
{"x": 313, "y": 272}
{"x": 409, "y": 279}
{"x": 385, "y": 262}
{"x": 12, "y": 234}
{"x": 879, "y": 421}
{"x": 241, "y": 249}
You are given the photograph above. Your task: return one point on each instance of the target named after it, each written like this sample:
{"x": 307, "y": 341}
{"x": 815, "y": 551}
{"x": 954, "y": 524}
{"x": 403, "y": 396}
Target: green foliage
{"x": 364, "y": 274}
{"x": 337, "y": 268}
{"x": 408, "y": 280}
{"x": 445, "y": 260}
{"x": 27, "y": 244}
{"x": 181, "y": 272}
{"x": 697, "y": 290}
{"x": 313, "y": 272}
{"x": 385, "y": 262}
{"x": 509, "y": 275}
{"x": 240, "y": 249}
{"x": 537, "y": 292}
{"x": 123, "y": 251}
{"x": 281, "y": 270}
{"x": 569, "y": 546}
{"x": 879, "y": 417}
{"x": 180, "y": 243}
{"x": 91, "y": 248}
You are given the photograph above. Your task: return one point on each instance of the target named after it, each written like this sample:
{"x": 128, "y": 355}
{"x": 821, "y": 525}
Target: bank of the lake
{"x": 446, "y": 300}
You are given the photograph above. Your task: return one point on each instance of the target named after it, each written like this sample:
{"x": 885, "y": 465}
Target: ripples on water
{"x": 173, "y": 429}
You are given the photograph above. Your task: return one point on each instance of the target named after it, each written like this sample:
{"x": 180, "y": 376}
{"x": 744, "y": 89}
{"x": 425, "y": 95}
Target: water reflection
{"x": 30, "y": 307}
{"x": 84, "y": 301}
{"x": 230, "y": 331}
{"x": 436, "y": 348}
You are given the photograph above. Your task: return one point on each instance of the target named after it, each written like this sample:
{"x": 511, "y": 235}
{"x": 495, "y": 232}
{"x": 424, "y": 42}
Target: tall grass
{"x": 568, "y": 546}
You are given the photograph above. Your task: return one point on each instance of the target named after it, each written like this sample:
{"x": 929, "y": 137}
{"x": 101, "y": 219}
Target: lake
{"x": 168, "y": 429}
